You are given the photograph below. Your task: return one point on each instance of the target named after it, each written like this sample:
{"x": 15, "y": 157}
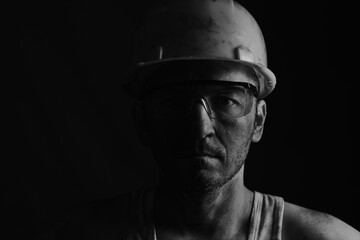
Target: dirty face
{"x": 194, "y": 150}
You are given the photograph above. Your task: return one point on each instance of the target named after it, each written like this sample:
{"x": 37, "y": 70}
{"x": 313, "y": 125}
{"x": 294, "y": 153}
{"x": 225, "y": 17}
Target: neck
{"x": 221, "y": 214}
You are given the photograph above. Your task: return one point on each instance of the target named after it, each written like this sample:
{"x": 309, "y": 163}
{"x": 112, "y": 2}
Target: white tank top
{"x": 266, "y": 217}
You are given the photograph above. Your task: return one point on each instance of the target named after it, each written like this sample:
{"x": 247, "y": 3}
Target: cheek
{"x": 235, "y": 135}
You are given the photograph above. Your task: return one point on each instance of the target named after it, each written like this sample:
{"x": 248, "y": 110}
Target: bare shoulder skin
{"x": 306, "y": 224}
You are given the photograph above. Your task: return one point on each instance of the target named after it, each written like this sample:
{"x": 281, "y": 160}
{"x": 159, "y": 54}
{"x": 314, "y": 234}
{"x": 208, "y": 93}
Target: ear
{"x": 260, "y": 116}
{"x": 139, "y": 117}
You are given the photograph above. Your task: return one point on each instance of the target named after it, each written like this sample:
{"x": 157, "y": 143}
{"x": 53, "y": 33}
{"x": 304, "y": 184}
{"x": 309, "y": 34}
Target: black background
{"x": 69, "y": 134}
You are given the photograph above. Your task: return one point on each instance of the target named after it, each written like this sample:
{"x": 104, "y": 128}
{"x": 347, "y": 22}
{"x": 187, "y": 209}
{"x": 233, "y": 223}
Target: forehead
{"x": 189, "y": 71}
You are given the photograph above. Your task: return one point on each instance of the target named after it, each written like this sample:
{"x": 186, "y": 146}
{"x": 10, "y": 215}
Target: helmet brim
{"x": 266, "y": 78}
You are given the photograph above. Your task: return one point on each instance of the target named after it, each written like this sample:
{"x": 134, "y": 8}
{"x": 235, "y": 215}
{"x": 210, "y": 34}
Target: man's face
{"x": 195, "y": 151}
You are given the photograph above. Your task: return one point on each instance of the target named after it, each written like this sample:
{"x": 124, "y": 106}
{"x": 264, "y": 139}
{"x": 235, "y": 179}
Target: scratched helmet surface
{"x": 211, "y": 30}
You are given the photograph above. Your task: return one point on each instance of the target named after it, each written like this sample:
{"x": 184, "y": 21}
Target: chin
{"x": 200, "y": 176}
{"x": 211, "y": 182}
{"x": 204, "y": 183}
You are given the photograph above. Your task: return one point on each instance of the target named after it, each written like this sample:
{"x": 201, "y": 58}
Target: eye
{"x": 224, "y": 101}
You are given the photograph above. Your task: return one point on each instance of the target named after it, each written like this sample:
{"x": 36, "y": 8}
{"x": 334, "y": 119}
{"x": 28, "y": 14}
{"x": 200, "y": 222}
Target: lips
{"x": 206, "y": 158}
{"x": 202, "y": 153}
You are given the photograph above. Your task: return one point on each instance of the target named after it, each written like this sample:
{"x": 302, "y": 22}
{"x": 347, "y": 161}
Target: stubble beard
{"x": 208, "y": 187}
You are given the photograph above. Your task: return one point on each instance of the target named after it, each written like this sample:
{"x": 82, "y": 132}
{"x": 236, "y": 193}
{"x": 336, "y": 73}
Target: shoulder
{"x": 109, "y": 218}
{"x": 304, "y": 223}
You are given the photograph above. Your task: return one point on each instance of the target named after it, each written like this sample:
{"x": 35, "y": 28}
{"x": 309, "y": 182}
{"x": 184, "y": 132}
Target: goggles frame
{"x": 203, "y": 100}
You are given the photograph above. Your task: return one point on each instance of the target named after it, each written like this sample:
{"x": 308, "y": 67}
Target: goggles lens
{"x": 221, "y": 101}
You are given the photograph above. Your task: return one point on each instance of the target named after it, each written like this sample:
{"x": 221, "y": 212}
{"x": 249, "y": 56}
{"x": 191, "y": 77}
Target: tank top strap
{"x": 266, "y": 217}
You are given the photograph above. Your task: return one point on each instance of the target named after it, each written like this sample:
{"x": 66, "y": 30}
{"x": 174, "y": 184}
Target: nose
{"x": 201, "y": 122}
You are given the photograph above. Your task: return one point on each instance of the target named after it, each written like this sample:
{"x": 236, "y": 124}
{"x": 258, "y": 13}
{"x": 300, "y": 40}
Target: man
{"x": 199, "y": 85}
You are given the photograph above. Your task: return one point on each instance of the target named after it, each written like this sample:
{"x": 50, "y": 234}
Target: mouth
{"x": 206, "y": 158}
{"x": 202, "y": 160}
{"x": 196, "y": 154}
{"x": 202, "y": 156}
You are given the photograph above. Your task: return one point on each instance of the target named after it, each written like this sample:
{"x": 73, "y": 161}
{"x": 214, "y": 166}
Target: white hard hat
{"x": 216, "y": 30}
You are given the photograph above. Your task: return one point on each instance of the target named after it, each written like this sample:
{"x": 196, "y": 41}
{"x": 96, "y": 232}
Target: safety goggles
{"x": 220, "y": 99}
